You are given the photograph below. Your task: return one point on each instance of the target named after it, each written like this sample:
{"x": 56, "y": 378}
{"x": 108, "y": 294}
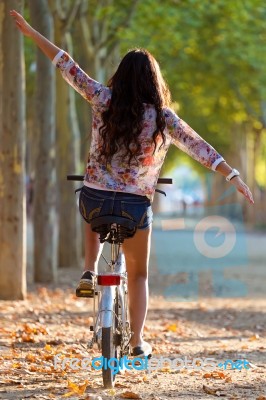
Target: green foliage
{"x": 213, "y": 55}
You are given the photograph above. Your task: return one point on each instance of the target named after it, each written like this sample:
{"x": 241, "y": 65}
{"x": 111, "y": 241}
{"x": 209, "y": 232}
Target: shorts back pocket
{"x": 89, "y": 206}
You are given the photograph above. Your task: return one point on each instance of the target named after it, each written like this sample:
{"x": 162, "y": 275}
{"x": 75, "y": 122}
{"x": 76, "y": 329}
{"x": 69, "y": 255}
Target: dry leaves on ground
{"x": 53, "y": 323}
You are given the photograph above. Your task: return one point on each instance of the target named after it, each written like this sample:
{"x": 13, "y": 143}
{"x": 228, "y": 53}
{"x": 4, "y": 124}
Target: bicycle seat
{"x": 123, "y": 228}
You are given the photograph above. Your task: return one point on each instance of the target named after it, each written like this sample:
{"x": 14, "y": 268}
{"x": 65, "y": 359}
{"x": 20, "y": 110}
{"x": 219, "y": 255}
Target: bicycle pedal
{"x": 85, "y": 293}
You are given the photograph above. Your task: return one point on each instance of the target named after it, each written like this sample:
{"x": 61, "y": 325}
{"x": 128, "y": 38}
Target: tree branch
{"x": 263, "y": 113}
{"x": 249, "y": 109}
{"x": 71, "y": 15}
{"x": 124, "y": 24}
{"x": 85, "y": 29}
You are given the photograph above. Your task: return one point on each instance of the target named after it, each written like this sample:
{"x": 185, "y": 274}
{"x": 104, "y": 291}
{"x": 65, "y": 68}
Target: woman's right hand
{"x": 242, "y": 188}
{"x": 22, "y": 25}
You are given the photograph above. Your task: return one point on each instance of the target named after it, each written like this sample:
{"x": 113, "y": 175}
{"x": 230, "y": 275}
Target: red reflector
{"x": 108, "y": 280}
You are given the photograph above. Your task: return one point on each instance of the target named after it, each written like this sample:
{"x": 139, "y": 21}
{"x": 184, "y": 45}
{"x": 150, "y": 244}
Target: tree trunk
{"x": 12, "y": 158}
{"x": 68, "y": 161}
{"x": 219, "y": 192}
{"x": 45, "y": 221}
{"x": 253, "y": 151}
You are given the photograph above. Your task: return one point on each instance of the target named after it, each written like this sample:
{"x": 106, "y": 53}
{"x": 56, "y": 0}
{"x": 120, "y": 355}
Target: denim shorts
{"x": 94, "y": 203}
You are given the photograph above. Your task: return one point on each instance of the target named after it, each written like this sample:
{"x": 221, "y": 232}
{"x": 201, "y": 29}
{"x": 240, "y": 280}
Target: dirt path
{"x": 53, "y": 321}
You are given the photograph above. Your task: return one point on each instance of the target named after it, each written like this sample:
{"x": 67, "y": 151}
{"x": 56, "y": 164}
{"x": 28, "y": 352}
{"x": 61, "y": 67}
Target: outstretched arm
{"x": 94, "y": 92}
{"x": 189, "y": 141}
{"x": 47, "y": 47}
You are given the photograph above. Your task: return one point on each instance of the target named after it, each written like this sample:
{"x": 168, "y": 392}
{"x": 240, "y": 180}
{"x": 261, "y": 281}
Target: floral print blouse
{"x": 138, "y": 179}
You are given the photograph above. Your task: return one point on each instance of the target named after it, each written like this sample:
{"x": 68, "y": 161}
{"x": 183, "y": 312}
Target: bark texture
{"x": 45, "y": 220}
{"x": 12, "y": 157}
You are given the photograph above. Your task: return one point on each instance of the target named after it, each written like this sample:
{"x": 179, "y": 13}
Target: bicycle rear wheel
{"x": 110, "y": 344}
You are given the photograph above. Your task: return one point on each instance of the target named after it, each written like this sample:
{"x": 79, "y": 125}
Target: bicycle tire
{"x": 110, "y": 347}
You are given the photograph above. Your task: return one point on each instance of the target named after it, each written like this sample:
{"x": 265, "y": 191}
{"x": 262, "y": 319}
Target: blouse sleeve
{"x": 189, "y": 141}
{"x": 93, "y": 91}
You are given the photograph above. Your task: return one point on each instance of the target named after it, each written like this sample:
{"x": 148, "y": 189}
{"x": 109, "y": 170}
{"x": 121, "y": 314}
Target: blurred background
{"x": 213, "y": 56}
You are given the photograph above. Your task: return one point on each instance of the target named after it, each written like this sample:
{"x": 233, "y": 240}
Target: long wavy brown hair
{"x": 137, "y": 80}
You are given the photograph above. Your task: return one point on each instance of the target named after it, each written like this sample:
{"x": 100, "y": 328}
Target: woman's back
{"x": 141, "y": 175}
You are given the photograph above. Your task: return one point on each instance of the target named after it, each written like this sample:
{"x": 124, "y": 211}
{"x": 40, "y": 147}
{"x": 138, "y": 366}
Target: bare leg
{"x": 93, "y": 249}
{"x": 137, "y": 252}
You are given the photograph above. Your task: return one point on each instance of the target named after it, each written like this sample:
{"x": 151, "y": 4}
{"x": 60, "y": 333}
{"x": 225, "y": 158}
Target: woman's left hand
{"x": 45, "y": 45}
{"x": 242, "y": 188}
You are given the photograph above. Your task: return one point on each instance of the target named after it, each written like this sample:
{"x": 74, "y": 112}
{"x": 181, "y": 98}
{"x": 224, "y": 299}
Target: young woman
{"x": 132, "y": 130}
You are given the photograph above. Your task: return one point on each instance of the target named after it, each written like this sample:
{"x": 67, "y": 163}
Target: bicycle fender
{"x": 106, "y": 306}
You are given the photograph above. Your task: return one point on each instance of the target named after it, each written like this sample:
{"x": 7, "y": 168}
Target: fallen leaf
{"x": 16, "y": 365}
{"x": 68, "y": 394}
{"x": 171, "y": 327}
{"x": 213, "y": 391}
{"x": 215, "y": 375}
{"x": 27, "y": 338}
{"x": 76, "y": 388}
{"x": 165, "y": 369}
{"x": 33, "y": 368}
{"x": 145, "y": 378}
{"x": 194, "y": 373}
{"x": 254, "y": 337}
{"x": 218, "y": 375}
{"x": 30, "y": 357}
{"x": 83, "y": 387}
{"x": 120, "y": 385}
{"x": 130, "y": 395}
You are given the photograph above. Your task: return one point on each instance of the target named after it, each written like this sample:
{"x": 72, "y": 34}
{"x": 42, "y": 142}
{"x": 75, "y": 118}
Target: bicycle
{"x": 111, "y": 328}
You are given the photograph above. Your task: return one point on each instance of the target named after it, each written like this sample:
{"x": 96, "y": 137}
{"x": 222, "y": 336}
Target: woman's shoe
{"x": 86, "y": 285}
{"x": 144, "y": 350}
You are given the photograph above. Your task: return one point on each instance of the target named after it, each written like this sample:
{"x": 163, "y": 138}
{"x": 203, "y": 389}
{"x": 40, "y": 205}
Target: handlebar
{"x": 168, "y": 181}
